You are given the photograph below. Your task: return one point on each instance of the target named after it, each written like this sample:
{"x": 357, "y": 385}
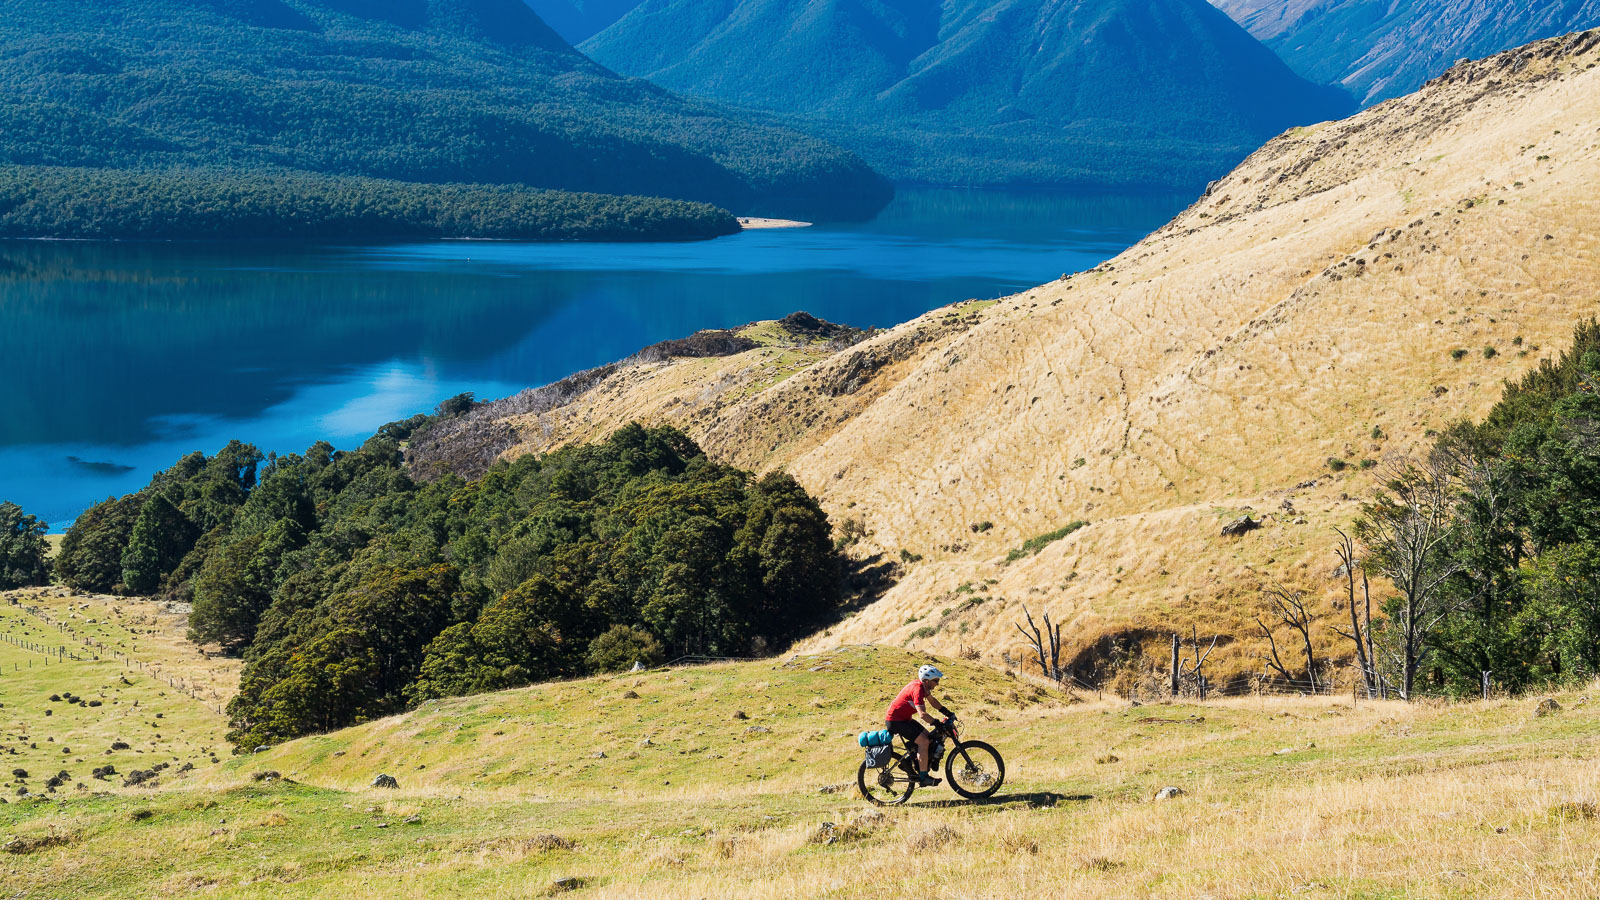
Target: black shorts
{"x": 908, "y": 729}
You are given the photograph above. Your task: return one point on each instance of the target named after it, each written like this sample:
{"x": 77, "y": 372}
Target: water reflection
{"x": 122, "y": 357}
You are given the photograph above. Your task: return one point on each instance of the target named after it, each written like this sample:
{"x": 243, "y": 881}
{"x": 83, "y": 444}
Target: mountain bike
{"x": 973, "y": 769}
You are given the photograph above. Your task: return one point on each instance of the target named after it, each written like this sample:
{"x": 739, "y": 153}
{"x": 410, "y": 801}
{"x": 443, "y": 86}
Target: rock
{"x": 637, "y": 666}
{"x": 630, "y": 695}
{"x": 269, "y": 775}
{"x": 569, "y": 883}
{"x": 412, "y": 820}
{"x": 1169, "y": 792}
{"x": 1546, "y": 707}
{"x": 757, "y": 729}
{"x": 385, "y": 781}
{"x": 835, "y": 788}
{"x": 261, "y": 749}
{"x": 1242, "y": 525}
{"x": 740, "y": 714}
{"x": 599, "y": 754}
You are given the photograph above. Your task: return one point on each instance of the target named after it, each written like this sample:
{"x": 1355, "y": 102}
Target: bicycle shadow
{"x": 1033, "y": 799}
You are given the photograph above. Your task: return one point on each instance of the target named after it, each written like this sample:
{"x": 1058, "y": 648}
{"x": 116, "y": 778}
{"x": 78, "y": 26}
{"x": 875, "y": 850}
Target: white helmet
{"x": 928, "y": 673}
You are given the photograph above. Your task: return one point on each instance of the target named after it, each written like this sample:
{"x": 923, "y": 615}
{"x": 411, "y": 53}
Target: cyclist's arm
{"x": 939, "y": 706}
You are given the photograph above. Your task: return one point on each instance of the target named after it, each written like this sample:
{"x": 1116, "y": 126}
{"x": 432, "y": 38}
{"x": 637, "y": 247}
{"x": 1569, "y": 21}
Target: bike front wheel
{"x": 886, "y": 786}
{"x": 974, "y": 770}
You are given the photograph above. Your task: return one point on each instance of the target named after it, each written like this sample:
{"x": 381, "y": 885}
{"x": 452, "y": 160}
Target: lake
{"x": 122, "y": 357}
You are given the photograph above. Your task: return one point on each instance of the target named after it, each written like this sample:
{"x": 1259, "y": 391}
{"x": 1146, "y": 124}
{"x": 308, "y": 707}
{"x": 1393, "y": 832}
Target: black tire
{"x": 974, "y": 770}
{"x": 886, "y": 786}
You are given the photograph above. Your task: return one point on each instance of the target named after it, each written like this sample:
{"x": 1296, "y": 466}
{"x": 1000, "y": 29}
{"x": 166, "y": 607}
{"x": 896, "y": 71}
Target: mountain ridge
{"x": 425, "y": 91}
{"x": 1381, "y": 49}
{"x": 1167, "y": 92}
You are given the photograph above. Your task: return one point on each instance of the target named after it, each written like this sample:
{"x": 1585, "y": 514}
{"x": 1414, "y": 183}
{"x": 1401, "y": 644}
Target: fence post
{"x": 1174, "y": 665}
{"x": 1486, "y": 675}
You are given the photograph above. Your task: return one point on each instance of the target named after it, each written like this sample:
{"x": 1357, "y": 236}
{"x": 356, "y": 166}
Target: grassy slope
{"x": 1284, "y": 797}
{"x": 143, "y": 679}
{"x": 1318, "y": 291}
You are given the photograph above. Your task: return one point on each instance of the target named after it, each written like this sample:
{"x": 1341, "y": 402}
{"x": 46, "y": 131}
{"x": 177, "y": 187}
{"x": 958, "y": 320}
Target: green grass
{"x": 157, "y": 721}
{"x": 1284, "y": 797}
{"x": 1040, "y": 541}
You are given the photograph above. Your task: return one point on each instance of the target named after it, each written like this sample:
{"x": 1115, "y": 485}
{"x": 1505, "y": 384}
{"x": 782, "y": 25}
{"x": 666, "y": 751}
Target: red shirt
{"x": 906, "y": 704}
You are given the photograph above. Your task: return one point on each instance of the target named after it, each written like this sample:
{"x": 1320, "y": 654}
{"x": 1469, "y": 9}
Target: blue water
{"x": 120, "y": 358}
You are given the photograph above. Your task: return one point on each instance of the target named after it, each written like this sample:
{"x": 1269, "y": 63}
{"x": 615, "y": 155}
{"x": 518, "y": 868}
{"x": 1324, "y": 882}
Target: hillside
{"x": 146, "y": 696}
{"x": 578, "y": 20}
{"x": 1087, "y": 92}
{"x": 1379, "y": 49}
{"x": 671, "y": 795}
{"x": 1332, "y": 297}
{"x": 424, "y": 92}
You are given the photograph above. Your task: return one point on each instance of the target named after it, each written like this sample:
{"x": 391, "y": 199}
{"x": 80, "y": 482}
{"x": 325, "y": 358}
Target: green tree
{"x": 161, "y": 537}
{"x": 1564, "y": 614}
{"x": 24, "y": 554}
{"x": 91, "y": 553}
{"x": 623, "y": 646}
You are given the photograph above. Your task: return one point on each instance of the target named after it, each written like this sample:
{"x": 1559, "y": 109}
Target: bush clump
{"x": 1038, "y": 542}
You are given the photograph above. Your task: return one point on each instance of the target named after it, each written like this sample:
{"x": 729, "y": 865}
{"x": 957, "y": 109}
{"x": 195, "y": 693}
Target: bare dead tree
{"x": 1289, "y": 608}
{"x": 1049, "y": 665}
{"x": 1407, "y": 530}
{"x": 1198, "y": 661}
{"x": 1360, "y": 632}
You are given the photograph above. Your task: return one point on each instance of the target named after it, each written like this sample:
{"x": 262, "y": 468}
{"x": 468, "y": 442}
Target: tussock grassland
{"x": 1283, "y": 797}
{"x": 1311, "y": 306}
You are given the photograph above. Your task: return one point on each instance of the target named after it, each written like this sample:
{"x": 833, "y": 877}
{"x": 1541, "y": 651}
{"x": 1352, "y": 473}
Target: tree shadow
{"x": 1035, "y": 799}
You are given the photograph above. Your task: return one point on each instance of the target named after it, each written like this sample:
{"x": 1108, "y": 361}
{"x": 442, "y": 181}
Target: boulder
{"x": 1546, "y": 707}
{"x": 1242, "y": 525}
{"x": 1169, "y": 792}
{"x": 569, "y": 883}
{"x": 385, "y": 781}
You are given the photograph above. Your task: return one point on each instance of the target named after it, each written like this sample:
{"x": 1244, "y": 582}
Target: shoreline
{"x": 758, "y": 223}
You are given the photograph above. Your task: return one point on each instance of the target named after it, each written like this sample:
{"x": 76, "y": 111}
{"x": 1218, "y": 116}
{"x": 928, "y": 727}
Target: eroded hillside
{"x": 1314, "y": 304}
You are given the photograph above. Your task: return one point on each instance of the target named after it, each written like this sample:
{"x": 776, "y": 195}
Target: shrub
{"x": 1039, "y": 541}
{"x": 1458, "y": 353}
{"x": 1336, "y": 464}
{"x": 1490, "y": 353}
{"x": 622, "y": 646}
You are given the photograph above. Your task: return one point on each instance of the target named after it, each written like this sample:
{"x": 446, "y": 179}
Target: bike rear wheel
{"x": 974, "y": 770}
{"x": 886, "y": 786}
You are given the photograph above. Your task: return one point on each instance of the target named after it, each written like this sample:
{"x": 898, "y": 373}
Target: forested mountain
{"x": 579, "y": 20}
{"x": 1021, "y": 91}
{"x": 421, "y": 91}
{"x": 1380, "y": 49}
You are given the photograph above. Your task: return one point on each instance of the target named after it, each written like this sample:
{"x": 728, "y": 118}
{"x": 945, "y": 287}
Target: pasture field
{"x": 717, "y": 781}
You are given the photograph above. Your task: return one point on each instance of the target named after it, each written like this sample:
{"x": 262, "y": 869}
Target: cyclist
{"x": 912, "y": 701}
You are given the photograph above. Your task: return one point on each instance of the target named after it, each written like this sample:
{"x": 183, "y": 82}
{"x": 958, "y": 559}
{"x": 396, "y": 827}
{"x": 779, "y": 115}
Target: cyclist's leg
{"x": 922, "y": 753}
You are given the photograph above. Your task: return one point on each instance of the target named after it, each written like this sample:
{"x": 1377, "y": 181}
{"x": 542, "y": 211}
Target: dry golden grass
{"x": 1307, "y": 307}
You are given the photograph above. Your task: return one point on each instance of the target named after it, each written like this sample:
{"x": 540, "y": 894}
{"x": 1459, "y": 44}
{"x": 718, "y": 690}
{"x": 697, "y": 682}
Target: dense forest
{"x": 43, "y": 201}
{"x": 1492, "y": 542}
{"x": 353, "y": 591}
{"x": 417, "y": 91}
